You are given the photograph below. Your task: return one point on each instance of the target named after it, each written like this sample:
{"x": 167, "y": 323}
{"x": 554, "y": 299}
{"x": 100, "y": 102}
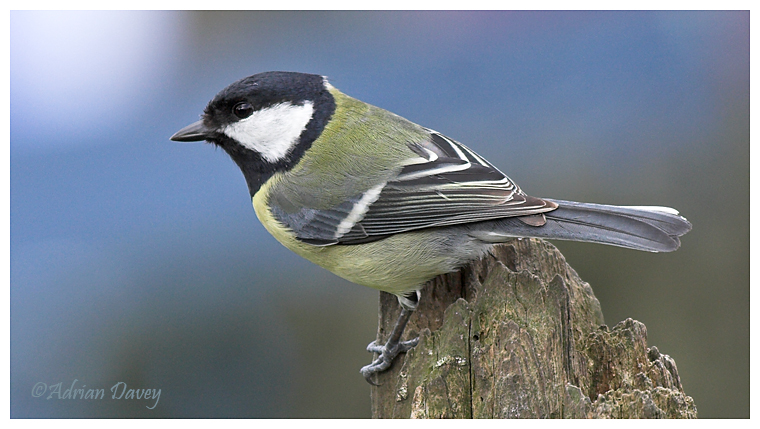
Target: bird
{"x": 385, "y": 203}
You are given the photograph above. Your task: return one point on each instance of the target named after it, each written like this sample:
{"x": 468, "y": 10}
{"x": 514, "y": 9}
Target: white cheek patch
{"x": 273, "y": 131}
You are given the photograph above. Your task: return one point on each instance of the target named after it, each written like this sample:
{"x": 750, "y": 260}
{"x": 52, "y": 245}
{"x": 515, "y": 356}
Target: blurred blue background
{"x": 140, "y": 260}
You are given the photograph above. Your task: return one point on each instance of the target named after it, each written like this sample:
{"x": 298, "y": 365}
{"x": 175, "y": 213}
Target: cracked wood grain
{"x": 519, "y": 335}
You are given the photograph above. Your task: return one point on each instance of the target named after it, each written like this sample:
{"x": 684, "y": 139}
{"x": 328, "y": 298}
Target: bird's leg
{"x": 393, "y": 346}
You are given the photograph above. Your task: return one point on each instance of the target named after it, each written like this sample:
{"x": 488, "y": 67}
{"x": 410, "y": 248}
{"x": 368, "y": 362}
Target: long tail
{"x": 654, "y": 229}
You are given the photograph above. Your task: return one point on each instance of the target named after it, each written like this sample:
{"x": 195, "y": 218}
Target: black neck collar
{"x": 256, "y": 169}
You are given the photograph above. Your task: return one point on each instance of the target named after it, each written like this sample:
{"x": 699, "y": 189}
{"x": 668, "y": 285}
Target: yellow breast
{"x": 397, "y": 264}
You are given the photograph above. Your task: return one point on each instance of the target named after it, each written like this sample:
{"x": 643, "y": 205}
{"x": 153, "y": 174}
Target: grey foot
{"x": 388, "y": 352}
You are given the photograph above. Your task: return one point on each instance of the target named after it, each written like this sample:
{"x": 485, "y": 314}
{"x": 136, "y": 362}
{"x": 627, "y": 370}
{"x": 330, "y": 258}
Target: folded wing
{"x": 443, "y": 183}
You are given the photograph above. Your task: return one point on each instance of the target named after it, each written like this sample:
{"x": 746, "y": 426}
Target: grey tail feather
{"x": 654, "y": 229}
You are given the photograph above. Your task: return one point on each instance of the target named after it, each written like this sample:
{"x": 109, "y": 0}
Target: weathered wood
{"x": 519, "y": 335}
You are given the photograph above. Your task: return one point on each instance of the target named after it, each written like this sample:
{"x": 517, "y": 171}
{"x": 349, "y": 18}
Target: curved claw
{"x": 387, "y": 354}
{"x": 374, "y": 348}
{"x": 378, "y": 365}
{"x": 392, "y": 348}
{"x": 405, "y": 346}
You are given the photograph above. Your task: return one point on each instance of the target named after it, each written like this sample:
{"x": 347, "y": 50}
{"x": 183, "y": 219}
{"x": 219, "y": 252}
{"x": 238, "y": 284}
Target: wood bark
{"x": 518, "y": 334}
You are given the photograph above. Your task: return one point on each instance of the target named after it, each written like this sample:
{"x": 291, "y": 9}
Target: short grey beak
{"x": 194, "y": 132}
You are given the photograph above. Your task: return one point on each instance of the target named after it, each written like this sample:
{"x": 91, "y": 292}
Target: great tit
{"x": 384, "y": 202}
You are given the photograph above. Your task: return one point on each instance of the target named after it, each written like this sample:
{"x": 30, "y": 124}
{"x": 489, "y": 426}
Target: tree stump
{"x": 518, "y": 334}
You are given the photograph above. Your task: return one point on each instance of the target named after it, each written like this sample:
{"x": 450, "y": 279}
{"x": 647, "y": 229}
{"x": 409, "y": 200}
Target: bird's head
{"x": 265, "y": 122}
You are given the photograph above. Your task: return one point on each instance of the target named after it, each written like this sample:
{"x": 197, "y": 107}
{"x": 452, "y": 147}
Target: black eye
{"x": 243, "y": 110}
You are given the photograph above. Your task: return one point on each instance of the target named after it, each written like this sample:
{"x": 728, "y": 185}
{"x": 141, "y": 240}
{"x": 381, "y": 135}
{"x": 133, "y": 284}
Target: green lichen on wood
{"x": 440, "y": 370}
{"x": 519, "y": 335}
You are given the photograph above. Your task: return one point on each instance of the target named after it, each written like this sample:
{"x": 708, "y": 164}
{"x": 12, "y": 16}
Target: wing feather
{"x": 444, "y": 183}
